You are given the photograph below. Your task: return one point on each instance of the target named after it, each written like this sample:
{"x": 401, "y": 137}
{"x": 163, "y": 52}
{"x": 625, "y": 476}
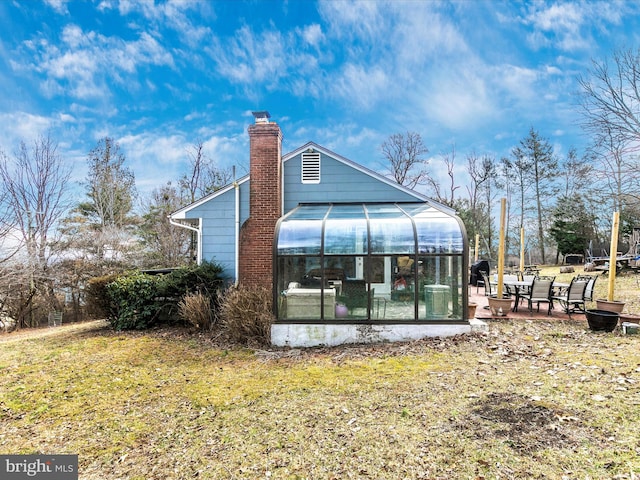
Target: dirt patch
{"x": 526, "y": 425}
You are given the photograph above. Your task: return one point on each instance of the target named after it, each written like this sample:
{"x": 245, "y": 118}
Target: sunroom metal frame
{"x": 378, "y": 219}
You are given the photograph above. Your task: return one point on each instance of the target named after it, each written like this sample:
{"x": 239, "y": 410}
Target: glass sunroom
{"x": 370, "y": 263}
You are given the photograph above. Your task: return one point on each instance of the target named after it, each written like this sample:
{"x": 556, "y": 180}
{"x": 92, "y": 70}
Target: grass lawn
{"x": 540, "y": 398}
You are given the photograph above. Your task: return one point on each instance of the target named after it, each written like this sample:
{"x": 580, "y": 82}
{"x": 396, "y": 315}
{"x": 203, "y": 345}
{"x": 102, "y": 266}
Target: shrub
{"x": 246, "y": 314}
{"x": 204, "y": 278}
{"x": 137, "y": 301}
{"x": 97, "y": 301}
{"x": 195, "y": 309}
{"x": 132, "y": 301}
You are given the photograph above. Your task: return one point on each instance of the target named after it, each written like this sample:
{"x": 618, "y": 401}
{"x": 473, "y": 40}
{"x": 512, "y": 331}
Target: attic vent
{"x": 311, "y": 167}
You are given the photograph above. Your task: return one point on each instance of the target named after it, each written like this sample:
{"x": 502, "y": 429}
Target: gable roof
{"x": 369, "y": 172}
{"x": 181, "y": 213}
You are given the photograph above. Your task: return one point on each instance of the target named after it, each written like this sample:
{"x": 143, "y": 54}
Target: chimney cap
{"x": 261, "y": 116}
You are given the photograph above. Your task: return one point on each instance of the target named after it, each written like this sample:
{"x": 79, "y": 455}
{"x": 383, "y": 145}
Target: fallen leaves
{"x": 526, "y": 400}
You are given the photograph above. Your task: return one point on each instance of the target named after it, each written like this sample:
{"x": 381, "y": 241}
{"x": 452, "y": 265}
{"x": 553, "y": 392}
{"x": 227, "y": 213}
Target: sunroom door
{"x": 380, "y": 276}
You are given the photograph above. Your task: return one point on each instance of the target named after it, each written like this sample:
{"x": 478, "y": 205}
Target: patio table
{"x": 518, "y": 287}
{"x": 559, "y": 287}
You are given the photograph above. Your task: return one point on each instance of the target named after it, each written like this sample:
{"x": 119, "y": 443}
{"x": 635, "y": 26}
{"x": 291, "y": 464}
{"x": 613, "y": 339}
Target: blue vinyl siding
{"x": 339, "y": 182}
{"x": 218, "y": 227}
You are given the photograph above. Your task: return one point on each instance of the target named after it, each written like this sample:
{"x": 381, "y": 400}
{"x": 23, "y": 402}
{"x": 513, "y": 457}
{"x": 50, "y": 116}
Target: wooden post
{"x": 503, "y": 216}
{"x": 522, "y": 249}
{"x": 613, "y": 254}
{"x": 477, "y": 246}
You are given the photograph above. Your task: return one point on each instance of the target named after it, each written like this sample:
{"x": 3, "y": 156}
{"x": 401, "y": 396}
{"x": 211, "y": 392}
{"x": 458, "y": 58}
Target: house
{"x": 351, "y": 255}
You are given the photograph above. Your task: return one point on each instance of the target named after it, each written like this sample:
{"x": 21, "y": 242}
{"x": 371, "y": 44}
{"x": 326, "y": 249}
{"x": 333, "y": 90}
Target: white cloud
{"x": 421, "y": 34}
{"x": 572, "y": 26}
{"x": 85, "y": 62}
{"x": 362, "y": 85}
{"x": 78, "y": 69}
{"x": 169, "y": 154}
{"x": 229, "y": 151}
{"x": 145, "y": 50}
{"x": 74, "y": 37}
{"x": 172, "y": 14}
{"x": 559, "y": 24}
{"x": 516, "y": 81}
{"x": 166, "y": 153}
{"x": 21, "y": 126}
{"x": 105, "y": 5}
{"x": 394, "y": 52}
{"x": 312, "y": 35}
{"x": 458, "y": 99}
{"x": 251, "y": 58}
{"x": 66, "y": 118}
{"x": 194, "y": 116}
{"x": 567, "y": 17}
{"x": 552, "y": 70}
{"x": 363, "y": 20}
{"x": 60, "y": 6}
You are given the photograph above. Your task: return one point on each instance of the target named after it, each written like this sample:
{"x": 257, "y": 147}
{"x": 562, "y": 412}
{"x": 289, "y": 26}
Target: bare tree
{"x": 8, "y": 247}
{"x": 443, "y": 196}
{"x": 203, "y": 177}
{"x": 481, "y": 172}
{"x": 618, "y": 173}
{"x": 35, "y": 192}
{"x": 405, "y": 152}
{"x": 517, "y": 186}
{"x": 36, "y": 186}
{"x": 576, "y": 174}
{"x": 191, "y": 181}
{"x": 610, "y": 99}
{"x": 610, "y": 104}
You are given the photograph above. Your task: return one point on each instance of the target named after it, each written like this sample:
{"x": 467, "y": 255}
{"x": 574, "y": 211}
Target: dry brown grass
{"x": 535, "y": 399}
{"x": 195, "y": 309}
{"x": 245, "y": 314}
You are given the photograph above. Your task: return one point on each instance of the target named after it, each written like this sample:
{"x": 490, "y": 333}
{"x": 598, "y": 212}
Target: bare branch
{"x": 405, "y": 156}
{"x": 610, "y": 100}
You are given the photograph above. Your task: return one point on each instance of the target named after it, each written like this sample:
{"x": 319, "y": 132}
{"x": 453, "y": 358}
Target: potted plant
{"x": 609, "y": 304}
{"x": 471, "y": 310}
{"x": 499, "y": 305}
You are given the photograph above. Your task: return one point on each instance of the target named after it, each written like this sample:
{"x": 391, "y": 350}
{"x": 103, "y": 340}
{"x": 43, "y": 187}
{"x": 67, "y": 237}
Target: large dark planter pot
{"x": 602, "y": 320}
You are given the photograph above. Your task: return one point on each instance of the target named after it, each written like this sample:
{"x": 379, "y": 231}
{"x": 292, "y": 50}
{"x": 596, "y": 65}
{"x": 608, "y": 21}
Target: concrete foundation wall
{"x": 304, "y": 335}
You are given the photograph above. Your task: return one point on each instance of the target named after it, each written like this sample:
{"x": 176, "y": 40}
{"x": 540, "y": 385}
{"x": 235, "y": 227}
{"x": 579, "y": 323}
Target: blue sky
{"x": 160, "y": 76}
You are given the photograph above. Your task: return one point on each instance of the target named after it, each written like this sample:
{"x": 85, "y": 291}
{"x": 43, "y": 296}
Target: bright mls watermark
{"x": 49, "y": 467}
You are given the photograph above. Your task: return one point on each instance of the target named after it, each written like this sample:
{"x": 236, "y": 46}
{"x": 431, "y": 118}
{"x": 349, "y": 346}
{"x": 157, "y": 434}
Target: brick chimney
{"x": 265, "y": 202}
